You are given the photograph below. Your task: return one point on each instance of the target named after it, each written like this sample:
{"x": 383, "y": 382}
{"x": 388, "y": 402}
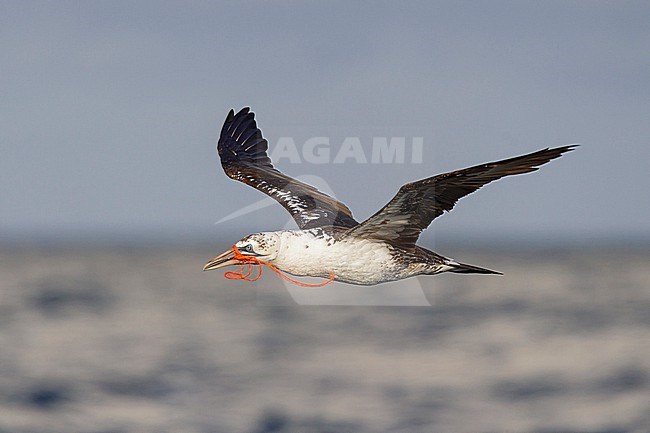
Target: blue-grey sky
{"x": 110, "y": 110}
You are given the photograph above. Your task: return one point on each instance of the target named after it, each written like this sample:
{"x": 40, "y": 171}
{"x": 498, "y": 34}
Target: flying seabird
{"x": 330, "y": 243}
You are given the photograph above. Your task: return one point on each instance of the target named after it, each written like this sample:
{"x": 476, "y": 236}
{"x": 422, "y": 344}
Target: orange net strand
{"x": 244, "y": 275}
{"x": 246, "y": 271}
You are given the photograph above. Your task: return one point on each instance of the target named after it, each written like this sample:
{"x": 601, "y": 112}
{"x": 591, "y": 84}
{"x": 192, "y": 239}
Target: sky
{"x": 110, "y": 112}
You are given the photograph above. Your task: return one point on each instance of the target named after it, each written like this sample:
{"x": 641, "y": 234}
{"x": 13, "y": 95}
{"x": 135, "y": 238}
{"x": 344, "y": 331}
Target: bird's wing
{"x": 416, "y": 204}
{"x": 242, "y": 150}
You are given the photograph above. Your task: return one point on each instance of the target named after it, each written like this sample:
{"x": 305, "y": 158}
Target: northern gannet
{"x": 330, "y": 243}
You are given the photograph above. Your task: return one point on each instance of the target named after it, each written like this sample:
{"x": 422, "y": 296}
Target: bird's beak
{"x": 225, "y": 259}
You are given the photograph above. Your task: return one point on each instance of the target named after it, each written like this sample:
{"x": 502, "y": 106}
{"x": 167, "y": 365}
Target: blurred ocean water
{"x": 140, "y": 340}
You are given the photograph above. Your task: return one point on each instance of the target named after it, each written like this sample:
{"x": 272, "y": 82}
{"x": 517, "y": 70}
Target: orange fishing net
{"x": 247, "y": 273}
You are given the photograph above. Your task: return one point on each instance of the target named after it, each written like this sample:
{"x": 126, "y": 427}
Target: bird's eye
{"x": 248, "y": 248}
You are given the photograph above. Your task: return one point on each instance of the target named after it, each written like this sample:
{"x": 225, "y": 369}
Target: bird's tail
{"x": 463, "y": 268}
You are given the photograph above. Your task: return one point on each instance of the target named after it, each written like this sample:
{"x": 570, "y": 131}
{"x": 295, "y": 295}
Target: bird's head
{"x": 263, "y": 246}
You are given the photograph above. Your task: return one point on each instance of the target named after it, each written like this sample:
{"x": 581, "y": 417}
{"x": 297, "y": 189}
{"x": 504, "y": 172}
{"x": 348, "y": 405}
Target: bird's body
{"x": 330, "y": 243}
{"x": 315, "y": 252}
{"x": 321, "y": 253}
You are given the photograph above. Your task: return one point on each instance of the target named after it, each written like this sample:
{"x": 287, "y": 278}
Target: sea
{"x": 132, "y": 338}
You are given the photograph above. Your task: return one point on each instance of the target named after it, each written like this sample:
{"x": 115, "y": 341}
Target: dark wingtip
{"x": 241, "y": 141}
{"x": 561, "y": 150}
{"x": 231, "y": 114}
{"x": 568, "y": 147}
{"x": 556, "y": 152}
{"x": 229, "y": 118}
